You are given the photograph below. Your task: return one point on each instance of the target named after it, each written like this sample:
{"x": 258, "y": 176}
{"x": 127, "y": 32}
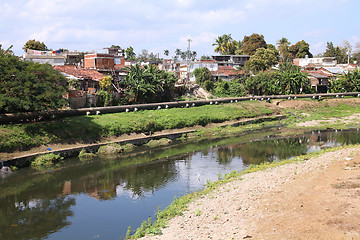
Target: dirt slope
{"x": 315, "y": 199}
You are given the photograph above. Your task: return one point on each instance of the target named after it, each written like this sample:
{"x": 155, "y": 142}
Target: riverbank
{"x": 31, "y": 139}
{"x": 317, "y": 198}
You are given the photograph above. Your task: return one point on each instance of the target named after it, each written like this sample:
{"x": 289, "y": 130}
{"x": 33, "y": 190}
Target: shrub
{"x": 46, "y": 160}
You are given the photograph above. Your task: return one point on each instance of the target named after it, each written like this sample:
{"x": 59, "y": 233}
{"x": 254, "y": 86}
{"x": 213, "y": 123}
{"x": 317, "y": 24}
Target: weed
{"x": 198, "y": 212}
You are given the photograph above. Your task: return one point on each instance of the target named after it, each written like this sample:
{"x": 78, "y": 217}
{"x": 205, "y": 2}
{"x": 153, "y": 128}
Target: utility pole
{"x": 188, "y": 61}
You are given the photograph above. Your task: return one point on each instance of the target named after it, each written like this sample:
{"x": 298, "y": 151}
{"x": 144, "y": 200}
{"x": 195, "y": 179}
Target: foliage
{"x": 283, "y": 47}
{"x": 105, "y": 83}
{"x": 130, "y": 54}
{"x": 104, "y": 99}
{"x": 348, "y": 82}
{"x": 148, "y": 84}
{"x": 233, "y": 88}
{"x": 287, "y": 80}
{"x": 208, "y": 85}
{"x": 337, "y": 52}
{"x": 28, "y": 86}
{"x": 261, "y": 60}
{"x": 7, "y": 51}
{"x": 291, "y": 80}
{"x": 202, "y": 75}
{"x": 300, "y": 50}
{"x": 166, "y": 52}
{"x": 185, "y": 54}
{"x": 85, "y": 156}
{"x": 35, "y": 45}
{"x": 251, "y": 43}
{"x": 261, "y": 84}
{"x": 225, "y": 45}
{"x": 46, "y": 160}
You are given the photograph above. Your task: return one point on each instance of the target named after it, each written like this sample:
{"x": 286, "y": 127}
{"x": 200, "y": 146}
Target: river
{"x": 100, "y": 198}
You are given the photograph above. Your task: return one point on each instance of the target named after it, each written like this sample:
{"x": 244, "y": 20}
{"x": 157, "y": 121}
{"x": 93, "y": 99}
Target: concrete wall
{"x": 49, "y": 115}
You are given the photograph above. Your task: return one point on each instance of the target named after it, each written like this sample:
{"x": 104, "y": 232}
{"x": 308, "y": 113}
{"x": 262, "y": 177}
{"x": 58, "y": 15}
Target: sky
{"x": 156, "y": 25}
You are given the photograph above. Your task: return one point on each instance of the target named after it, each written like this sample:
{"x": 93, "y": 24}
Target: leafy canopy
{"x": 251, "y": 43}
{"x": 35, "y": 45}
{"x": 348, "y": 82}
{"x": 261, "y": 60}
{"x": 28, "y": 86}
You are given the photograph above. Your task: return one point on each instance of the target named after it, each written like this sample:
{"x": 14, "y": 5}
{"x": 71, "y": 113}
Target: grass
{"x": 89, "y": 129}
{"x": 323, "y": 111}
{"x": 180, "y": 204}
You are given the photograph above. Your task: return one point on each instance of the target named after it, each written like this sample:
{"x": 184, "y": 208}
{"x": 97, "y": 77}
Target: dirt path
{"x": 315, "y": 199}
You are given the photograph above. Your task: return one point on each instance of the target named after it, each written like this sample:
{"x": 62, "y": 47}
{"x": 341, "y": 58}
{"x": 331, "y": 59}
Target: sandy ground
{"x": 315, "y": 199}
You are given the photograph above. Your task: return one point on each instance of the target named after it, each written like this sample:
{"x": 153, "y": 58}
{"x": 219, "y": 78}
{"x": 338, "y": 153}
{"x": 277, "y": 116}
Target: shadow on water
{"x": 126, "y": 190}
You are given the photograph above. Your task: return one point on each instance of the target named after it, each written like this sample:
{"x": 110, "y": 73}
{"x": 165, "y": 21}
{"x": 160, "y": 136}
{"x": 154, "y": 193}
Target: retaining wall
{"x": 50, "y": 115}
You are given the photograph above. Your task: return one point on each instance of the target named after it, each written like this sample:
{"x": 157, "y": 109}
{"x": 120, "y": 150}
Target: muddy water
{"x": 101, "y": 198}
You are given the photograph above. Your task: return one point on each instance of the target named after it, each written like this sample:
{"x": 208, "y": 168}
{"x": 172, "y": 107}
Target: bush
{"x": 208, "y": 85}
{"x": 46, "y": 160}
{"x": 27, "y": 86}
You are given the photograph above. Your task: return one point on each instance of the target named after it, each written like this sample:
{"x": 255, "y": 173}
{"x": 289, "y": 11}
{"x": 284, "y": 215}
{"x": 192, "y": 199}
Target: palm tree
{"x": 166, "y": 52}
{"x": 224, "y": 44}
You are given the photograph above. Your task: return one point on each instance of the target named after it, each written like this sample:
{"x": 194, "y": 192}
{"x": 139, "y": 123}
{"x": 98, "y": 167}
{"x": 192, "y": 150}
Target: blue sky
{"x": 156, "y": 25}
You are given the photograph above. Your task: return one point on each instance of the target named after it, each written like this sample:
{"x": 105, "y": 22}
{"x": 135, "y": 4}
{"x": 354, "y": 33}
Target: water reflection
{"x": 65, "y": 202}
{"x": 33, "y": 218}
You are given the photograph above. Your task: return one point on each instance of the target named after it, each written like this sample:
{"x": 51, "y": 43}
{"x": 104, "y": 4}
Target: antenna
{"x": 188, "y": 61}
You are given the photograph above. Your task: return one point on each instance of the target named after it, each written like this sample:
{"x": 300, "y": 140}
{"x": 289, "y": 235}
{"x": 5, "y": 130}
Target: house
{"x": 227, "y": 73}
{"x": 54, "y": 58}
{"x": 231, "y": 60}
{"x": 88, "y": 84}
{"x": 315, "y": 63}
{"x": 319, "y": 80}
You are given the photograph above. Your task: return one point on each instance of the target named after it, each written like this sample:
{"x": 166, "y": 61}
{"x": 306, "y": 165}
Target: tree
{"x": 27, "y": 86}
{"x": 166, "y": 52}
{"x": 287, "y": 80}
{"x": 348, "y": 82}
{"x": 202, "y": 75}
{"x": 283, "y": 47}
{"x": 262, "y": 84}
{"x": 356, "y": 54}
{"x": 225, "y": 45}
{"x": 130, "y": 55}
{"x": 337, "y": 52}
{"x": 261, "y": 60}
{"x": 251, "y": 43}
{"x": 7, "y": 51}
{"x": 35, "y": 45}
{"x": 300, "y": 50}
{"x": 291, "y": 80}
{"x": 148, "y": 84}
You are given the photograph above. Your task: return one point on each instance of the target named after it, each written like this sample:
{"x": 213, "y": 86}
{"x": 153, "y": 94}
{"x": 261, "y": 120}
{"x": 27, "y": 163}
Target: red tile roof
{"x": 80, "y": 72}
{"x": 227, "y": 71}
